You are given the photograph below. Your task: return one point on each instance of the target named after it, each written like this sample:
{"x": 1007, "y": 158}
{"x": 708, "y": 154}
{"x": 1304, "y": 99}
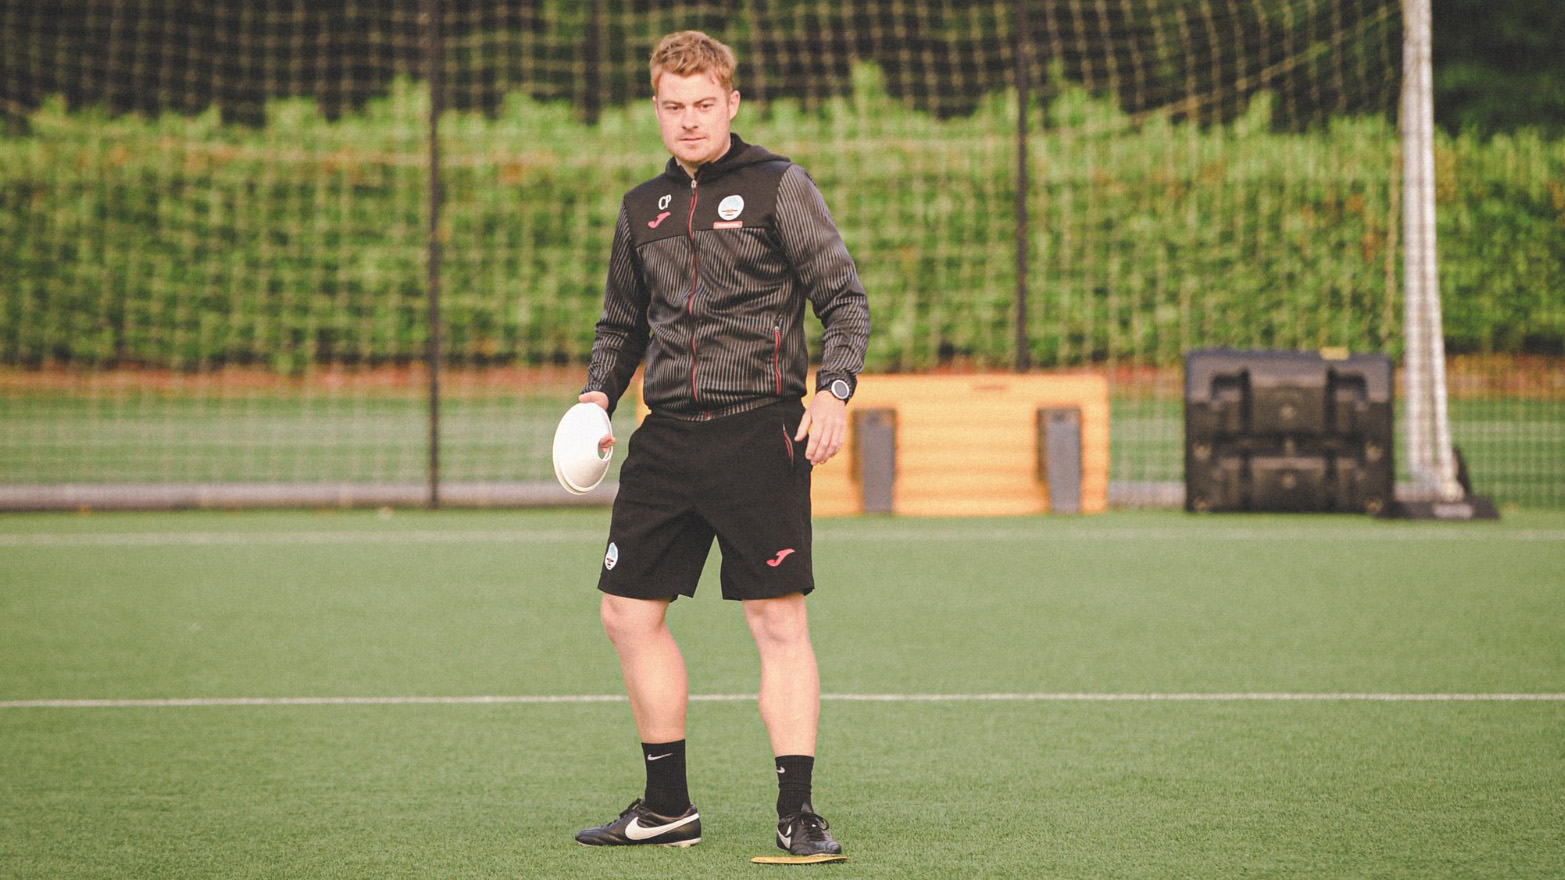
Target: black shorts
{"x": 741, "y": 479}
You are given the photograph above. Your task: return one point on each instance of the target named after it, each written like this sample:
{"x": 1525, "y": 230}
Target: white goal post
{"x": 1431, "y": 457}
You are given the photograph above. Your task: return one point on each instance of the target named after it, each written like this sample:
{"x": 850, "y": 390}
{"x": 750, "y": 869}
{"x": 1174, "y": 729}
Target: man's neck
{"x": 692, "y": 169}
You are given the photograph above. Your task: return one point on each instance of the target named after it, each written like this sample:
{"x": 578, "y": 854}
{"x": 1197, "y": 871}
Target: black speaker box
{"x": 1288, "y": 431}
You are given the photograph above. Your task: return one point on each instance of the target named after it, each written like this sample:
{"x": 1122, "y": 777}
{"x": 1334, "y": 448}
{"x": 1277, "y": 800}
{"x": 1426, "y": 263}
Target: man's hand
{"x": 601, "y": 399}
{"x": 826, "y": 424}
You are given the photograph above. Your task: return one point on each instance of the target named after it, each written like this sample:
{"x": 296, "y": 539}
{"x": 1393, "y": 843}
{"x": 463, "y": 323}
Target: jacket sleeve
{"x": 830, "y": 279}
{"x": 622, "y": 328}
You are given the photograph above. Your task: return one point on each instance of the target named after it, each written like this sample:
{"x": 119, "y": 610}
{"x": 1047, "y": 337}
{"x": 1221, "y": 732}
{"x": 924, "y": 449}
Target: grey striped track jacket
{"x": 708, "y": 279}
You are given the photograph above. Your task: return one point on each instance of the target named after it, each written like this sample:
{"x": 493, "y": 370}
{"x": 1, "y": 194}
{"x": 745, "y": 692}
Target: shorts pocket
{"x": 788, "y": 445}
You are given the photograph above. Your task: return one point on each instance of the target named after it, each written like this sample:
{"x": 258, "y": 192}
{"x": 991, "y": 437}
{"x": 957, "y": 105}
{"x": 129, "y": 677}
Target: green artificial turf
{"x": 1130, "y": 695}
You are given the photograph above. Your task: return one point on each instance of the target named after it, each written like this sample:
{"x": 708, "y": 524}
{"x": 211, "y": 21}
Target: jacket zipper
{"x": 777, "y": 354}
{"x": 695, "y": 275}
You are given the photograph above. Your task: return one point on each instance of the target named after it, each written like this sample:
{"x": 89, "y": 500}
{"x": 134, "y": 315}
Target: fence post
{"x": 433, "y": 343}
{"x": 1023, "y": 350}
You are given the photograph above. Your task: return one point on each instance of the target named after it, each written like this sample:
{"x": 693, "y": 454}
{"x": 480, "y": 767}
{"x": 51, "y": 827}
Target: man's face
{"x": 693, "y": 116}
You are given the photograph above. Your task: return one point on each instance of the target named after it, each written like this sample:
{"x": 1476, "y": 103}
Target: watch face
{"x": 840, "y": 390}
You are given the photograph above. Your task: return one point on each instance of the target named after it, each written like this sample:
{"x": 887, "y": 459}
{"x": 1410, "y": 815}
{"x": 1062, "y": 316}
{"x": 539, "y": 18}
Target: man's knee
{"x": 781, "y": 621}
{"x": 630, "y": 620}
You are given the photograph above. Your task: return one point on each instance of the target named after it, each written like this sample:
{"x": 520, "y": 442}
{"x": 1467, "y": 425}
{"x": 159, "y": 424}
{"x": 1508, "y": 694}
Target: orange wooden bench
{"x": 969, "y": 445}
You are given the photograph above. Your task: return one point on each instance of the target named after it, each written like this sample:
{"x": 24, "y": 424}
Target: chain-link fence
{"x": 229, "y": 227}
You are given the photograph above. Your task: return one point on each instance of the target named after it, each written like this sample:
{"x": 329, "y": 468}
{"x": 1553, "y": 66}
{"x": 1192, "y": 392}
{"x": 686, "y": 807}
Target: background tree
{"x": 1499, "y": 65}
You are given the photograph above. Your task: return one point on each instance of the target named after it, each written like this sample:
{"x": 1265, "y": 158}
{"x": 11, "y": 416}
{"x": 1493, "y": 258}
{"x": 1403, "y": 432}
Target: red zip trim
{"x": 777, "y": 358}
{"x": 695, "y": 274}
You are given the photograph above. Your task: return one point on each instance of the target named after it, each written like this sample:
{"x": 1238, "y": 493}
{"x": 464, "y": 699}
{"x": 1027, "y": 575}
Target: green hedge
{"x": 184, "y": 243}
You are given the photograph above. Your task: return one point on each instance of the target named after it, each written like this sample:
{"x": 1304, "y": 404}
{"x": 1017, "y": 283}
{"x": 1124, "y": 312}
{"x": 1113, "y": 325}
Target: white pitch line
{"x": 825, "y": 536}
{"x": 1261, "y": 697}
{"x": 211, "y": 702}
{"x": 1369, "y": 532}
{"x": 525, "y": 699}
{"x": 216, "y": 539}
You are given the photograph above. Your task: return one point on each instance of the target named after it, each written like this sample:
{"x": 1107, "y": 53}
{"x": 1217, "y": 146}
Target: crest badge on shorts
{"x": 611, "y": 558}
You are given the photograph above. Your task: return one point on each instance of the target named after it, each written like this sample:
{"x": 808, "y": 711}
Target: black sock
{"x": 793, "y": 783}
{"x": 667, "y": 793}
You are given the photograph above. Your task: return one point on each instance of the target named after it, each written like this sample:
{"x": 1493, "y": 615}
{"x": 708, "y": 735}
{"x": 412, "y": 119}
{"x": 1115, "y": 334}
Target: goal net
{"x": 230, "y": 231}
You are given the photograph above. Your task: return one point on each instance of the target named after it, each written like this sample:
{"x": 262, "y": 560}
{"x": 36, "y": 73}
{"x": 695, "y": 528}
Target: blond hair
{"x": 686, "y": 53}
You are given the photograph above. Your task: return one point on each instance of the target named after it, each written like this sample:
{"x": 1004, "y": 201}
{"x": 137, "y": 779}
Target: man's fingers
{"x": 826, "y": 424}
{"x": 813, "y": 452}
{"x": 824, "y": 444}
{"x": 601, "y": 399}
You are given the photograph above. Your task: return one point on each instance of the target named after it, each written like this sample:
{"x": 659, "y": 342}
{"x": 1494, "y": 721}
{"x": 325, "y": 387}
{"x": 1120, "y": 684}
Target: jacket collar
{"x": 739, "y": 155}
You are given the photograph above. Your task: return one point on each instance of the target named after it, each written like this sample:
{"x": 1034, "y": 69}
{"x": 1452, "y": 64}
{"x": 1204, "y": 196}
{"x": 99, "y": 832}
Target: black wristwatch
{"x": 840, "y": 389}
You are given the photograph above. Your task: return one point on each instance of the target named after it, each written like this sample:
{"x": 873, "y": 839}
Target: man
{"x": 712, "y": 265}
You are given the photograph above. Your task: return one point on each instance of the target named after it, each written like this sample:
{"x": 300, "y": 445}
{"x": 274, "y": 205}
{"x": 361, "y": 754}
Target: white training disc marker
{"x": 578, "y": 464}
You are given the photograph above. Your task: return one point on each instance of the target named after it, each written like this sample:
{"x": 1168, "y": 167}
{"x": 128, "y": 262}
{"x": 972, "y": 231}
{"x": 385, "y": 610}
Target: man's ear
{"x": 733, "y": 103}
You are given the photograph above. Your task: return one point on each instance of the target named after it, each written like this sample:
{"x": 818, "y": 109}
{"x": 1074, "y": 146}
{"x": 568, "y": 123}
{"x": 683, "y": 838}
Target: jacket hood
{"x": 739, "y": 155}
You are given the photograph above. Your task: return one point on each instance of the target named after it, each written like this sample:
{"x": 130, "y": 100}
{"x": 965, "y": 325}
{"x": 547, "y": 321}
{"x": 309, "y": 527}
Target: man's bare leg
{"x": 651, "y": 664}
{"x": 790, "y": 697}
{"x": 654, "y": 673}
{"x": 790, "y": 708}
